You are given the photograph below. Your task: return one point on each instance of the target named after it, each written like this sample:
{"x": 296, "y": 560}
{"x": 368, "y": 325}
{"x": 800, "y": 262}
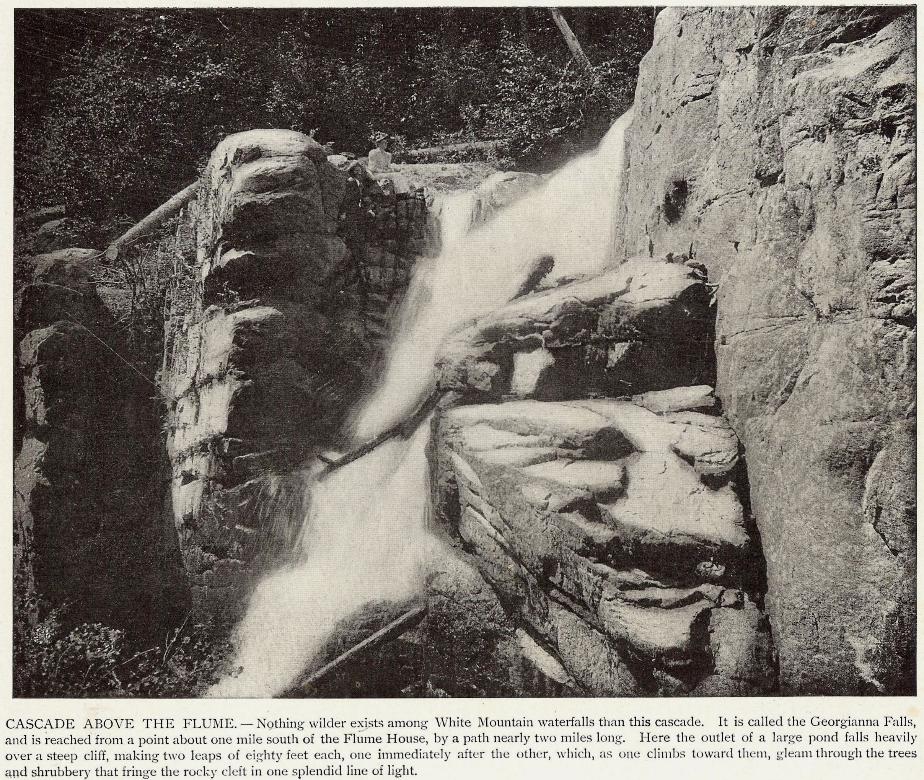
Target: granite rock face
{"x": 59, "y": 285}
{"x": 300, "y": 266}
{"x": 262, "y": 358}
{"x": 644, "y": 325}
{"x": 613, "y": 532}
{"x": 613, "y": 529}
{"x": 777, "y": 146}
{"x": 87, "y": 526}
{"x": 471, "y": 647}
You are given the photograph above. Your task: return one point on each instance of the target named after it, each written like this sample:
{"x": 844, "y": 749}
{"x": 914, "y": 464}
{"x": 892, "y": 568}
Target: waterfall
{"x": 364, "y": 538}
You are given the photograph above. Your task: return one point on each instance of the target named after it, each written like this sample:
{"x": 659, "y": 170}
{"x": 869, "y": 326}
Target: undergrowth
{"x": 54, "y": 659}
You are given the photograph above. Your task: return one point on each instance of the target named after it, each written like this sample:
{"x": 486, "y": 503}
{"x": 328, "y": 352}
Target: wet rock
{"x": 593, "y": 523}
{"x": 499, "y": 190}
{"x": 472, "y": 647}
{"x": 301, "y": 265}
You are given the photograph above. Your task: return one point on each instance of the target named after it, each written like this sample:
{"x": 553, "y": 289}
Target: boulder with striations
{"x": 642, "y": 326}
{"x": 616, "y": 534}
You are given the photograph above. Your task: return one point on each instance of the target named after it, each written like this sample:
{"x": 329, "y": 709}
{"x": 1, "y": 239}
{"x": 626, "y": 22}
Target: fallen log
{"x": 404, "y": 429}
{"x": 392, "y": 630}
{"x": 160, "y": 215}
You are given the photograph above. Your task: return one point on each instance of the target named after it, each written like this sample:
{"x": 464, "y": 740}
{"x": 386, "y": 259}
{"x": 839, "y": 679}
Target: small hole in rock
{"x": 675, "y": 200}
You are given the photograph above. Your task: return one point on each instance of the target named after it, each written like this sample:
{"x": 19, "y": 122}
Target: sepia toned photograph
{"x": 462, "y": 352}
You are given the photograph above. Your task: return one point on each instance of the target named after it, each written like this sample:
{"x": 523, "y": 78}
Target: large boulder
{"x": 300, "y": 266}
{"x": 263, "y": 359}
{"x": 87, "y": 523}
{"x": 644, "y": 325}
{"x": 778, "y": 145}
{"x": 615, "y": 533}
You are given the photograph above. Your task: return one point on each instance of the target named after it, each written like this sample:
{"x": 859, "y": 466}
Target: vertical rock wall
{"x": 87, "y": 521}
{"x": 777, "y": 144}
{"x": 269, "y": 350}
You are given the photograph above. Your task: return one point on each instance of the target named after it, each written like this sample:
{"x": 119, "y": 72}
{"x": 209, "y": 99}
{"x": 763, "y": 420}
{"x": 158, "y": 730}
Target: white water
{"x": 365, "y": 536}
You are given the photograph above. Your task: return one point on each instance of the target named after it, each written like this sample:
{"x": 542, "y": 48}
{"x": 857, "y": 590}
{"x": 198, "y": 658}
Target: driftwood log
{"x": 400, "y": 625}
{"x": 403, "y": 429}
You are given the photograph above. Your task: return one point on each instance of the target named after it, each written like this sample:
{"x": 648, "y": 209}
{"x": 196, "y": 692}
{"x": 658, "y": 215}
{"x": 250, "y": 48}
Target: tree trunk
{"x": 573, "y": 45}
{"x": 525, "y": 34}
{"x": 152, "y": 220}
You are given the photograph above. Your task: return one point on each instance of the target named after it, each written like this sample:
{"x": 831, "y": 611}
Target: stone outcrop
{"x": 614, "y": 534}
{"x": 300, "y": 264}
{"x": 263, "y": 358}
{"x": 642, "y": 326}
{"x": 604, "y": 534}
{"x": 614, "y": 528}
{"x": 472, "y": 647}
{"x": 87, "y": 525}
{"x": 777, "y": 145}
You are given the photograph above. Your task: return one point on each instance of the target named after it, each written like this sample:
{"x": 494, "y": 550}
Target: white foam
{"x": 365, "y": 536}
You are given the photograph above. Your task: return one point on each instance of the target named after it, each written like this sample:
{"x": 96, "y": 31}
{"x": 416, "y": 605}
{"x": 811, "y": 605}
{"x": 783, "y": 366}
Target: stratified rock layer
{"x": 644, "y": 325}
{"x": 301, "y": 265}
{"x": 777, "y": 144}
{"x": 613, "y": 535}
{"x": 262, "y": 360}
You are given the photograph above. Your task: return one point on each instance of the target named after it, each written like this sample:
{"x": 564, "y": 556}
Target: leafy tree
{"x": 134, "y": 100}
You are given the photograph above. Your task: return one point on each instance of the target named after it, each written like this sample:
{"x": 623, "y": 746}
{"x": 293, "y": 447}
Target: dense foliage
{"x": 116, "y": 109}
{"x": 52, "y": 657}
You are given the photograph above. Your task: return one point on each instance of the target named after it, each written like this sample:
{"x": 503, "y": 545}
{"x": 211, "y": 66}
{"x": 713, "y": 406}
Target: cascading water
{"x": 364, "y": 538}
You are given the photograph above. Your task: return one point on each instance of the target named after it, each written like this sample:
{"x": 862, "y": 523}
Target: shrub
{"x": 53, "y": 659}
{"x": 133, "y": 109}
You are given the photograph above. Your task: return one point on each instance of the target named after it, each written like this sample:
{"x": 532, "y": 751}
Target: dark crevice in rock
{"x": 769, "y": 179}
{"x": 675, "y": 201}
{"x": 755, "y": 574}
{"x": 875, "y": 523}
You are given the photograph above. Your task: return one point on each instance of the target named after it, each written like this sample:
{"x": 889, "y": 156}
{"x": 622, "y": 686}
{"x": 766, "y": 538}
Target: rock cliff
{"x": 300, "y": 267}
{"x": 612, "y": 527}
{"x": 87, "y": 524}
{"x": 777, "y": 145}
{"x": 690, "y": 474}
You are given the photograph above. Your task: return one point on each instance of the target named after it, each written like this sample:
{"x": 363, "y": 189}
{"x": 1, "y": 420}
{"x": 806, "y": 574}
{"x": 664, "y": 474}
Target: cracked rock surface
{"x": 777, "y": 144}
{"x": 299, "y": 271}
{"x": 644, "y": 325}
{"x": 607, "y": 540}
